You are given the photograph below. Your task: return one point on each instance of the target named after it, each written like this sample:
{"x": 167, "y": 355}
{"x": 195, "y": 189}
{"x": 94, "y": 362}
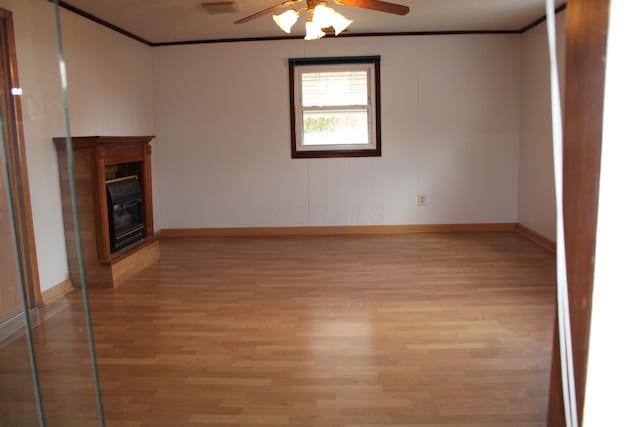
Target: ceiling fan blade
{"x": 267, "y": 11}
{"x": 380, "y": 6}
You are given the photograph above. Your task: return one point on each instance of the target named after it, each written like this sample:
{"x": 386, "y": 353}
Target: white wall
{"x": 536, "y": 201}
{"x": 110, "y": 93}
{"x": 450, "y": 130}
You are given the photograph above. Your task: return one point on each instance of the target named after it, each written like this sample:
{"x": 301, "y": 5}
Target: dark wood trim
{"x": 542, "y": 19}
{"x": 148, "y": 192}
{"x": 335, "y": 60}
{"x": 427, "y": 33}
{"x": 378, "y": 87}
{"x": 91, "y": 141}
{"x": 103, "y": 245}
{"x": 343, "y": 35}
{"x": 587, "y": 28}
{"x": 129, "y": 34}
{"x": 18, "y": 170}
{"x": 87, "y": 15}
{"x": 229, "y": 40}
{"x": 292, "y": 106}
{"x": 298, "y": 62}
{"x": 329, "y": 154}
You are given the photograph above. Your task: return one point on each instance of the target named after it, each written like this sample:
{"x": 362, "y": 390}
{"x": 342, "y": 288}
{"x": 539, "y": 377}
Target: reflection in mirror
{"x": 329, "y": 330}
{"x": 42, "y": 316}
{"x": 20, "y": 396}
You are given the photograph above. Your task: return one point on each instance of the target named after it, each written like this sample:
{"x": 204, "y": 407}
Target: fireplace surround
{"x": 113, "y": 183}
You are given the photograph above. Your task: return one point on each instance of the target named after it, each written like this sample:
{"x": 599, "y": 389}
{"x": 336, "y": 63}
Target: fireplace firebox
{"x": 125, "y": 208}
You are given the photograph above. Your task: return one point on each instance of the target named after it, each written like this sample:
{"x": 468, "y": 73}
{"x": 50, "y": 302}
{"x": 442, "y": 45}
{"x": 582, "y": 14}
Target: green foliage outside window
{"x": 320, "y": 124}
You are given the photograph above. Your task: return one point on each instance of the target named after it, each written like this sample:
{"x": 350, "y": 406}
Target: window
{"x": 335, "y": 107}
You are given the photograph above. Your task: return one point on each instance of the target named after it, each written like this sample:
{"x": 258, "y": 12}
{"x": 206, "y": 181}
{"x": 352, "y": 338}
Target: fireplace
{"x": 125, "y": 208}
{"x": 113, "y": 188}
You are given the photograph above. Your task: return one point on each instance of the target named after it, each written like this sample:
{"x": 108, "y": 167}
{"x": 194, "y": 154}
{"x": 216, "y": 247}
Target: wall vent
{"x": 218, "y": 7}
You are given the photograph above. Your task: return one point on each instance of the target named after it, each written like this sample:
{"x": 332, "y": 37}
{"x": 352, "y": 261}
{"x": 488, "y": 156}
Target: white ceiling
{"x": 179, "y": 20}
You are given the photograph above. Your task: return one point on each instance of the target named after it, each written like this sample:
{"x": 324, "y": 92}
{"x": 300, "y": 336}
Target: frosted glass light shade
{"x": 286, "y": 20}
{"x": 340, "y": 23}
{"x": 323, "y": 16}
{"x": 314, "y": 31}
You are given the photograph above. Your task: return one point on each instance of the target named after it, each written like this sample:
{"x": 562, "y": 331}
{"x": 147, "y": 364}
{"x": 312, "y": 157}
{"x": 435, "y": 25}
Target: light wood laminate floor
{"x": 404, "y": 330}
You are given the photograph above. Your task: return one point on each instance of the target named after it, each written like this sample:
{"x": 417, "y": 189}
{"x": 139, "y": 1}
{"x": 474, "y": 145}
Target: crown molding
{"x": 89, "y": 16}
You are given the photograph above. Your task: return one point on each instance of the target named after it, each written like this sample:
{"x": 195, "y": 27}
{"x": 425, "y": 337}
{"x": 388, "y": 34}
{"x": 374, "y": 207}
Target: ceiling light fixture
{"x": 286, "y": 20}
{"x": 319, "y": 16}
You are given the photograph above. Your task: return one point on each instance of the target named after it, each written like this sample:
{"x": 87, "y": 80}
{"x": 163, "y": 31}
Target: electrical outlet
{"x": 422, "y": 200}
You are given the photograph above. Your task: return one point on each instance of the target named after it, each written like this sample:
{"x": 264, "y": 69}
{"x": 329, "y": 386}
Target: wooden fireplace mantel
{"x": 95, "y": 158}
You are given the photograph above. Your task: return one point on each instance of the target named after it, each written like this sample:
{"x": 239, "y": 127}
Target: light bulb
{"x": 286, "y": 20}
{"x": 340, "y": 23}
{"x": 323, "y": 15}
{"x": 314, "y": 32}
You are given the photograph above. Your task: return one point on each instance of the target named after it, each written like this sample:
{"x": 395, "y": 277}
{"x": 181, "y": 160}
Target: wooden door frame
{"x": 587, "y": 29}
{"x": 17, "y": 162}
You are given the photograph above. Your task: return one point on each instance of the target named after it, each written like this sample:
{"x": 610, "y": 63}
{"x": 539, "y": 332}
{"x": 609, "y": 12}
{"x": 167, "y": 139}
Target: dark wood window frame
{"x": 343, "y": 151}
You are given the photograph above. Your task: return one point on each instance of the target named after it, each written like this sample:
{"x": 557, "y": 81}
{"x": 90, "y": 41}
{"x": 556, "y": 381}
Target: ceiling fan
{"x": 320, "y": 16}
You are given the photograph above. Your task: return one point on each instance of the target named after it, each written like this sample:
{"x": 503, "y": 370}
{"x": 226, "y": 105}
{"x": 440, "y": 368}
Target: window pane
{"x": 337, "y": 88}
{"x": 335, "y": 127}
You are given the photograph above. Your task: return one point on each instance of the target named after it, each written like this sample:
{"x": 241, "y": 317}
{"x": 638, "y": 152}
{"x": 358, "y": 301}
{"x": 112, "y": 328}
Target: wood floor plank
{"x": 402, "y": 330}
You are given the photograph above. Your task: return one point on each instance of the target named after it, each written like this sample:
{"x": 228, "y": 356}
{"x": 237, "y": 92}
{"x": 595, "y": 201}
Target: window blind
{"x": 334, "y": 88}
